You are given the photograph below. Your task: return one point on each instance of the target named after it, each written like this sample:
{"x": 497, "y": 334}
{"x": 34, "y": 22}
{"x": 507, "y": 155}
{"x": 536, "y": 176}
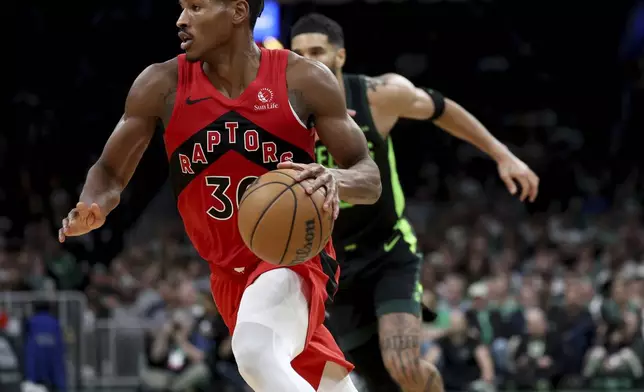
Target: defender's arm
{"x": 395, "y": 95}
{"x": 359, "y": 178}
{"x": 144, "y": 105}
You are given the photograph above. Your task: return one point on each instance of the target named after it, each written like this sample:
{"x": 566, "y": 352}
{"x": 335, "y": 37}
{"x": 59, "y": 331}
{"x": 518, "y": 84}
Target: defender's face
{"x": 316, "y": 46}
{"x": 204, "y": 25}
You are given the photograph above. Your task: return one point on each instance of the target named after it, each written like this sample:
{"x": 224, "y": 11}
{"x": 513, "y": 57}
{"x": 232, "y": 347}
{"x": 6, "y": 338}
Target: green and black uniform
{"x": 375, "y": 244}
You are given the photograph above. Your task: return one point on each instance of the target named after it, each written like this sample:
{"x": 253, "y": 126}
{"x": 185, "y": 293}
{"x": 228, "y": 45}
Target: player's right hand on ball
{"x": 81, "y": 220}
{"x": 322, "y": 178}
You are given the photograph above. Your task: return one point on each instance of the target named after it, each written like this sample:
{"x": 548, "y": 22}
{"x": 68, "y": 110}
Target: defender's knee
{"x": 418, "y": 375}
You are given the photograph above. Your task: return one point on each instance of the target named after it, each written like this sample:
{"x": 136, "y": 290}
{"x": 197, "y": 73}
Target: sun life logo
{"x": 265, "y": 99}
{"x": 265, "y": 95}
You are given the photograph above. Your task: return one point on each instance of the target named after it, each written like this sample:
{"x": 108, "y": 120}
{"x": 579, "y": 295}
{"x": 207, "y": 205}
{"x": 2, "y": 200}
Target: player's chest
{"x": 205, "y": 142}
{"x": 230, "y": 140}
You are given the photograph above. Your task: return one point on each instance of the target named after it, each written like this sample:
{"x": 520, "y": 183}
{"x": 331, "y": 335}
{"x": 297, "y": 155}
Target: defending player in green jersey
{"x": 376, "y": 312}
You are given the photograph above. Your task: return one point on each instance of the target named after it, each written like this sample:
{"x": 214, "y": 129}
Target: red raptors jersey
{"x": 217, "y": 146}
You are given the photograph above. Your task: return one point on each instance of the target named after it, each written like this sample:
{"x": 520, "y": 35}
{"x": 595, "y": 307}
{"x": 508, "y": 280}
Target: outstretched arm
{"x": 107, "y": 178}
{"x": 396, "y": 96}
{"x": 358, "y": 179}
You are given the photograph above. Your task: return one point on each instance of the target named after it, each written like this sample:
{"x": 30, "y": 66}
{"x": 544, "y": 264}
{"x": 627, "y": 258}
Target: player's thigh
{"x": 351, "y": 316}
{"x": 398, "y": 298}
{"x": 398, "y": 289}
{"x": 276, "y": 300}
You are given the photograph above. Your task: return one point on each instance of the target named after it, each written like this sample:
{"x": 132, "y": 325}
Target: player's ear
{"x": 240, "y": 11}
{"x": 340, "y": 57}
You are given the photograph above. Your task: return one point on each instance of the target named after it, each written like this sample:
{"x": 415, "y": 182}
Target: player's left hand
{"x": 513, "y": 170}
{"x": 322, "y": 178}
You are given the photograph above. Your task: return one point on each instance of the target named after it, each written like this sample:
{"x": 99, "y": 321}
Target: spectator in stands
{"x": 528, "y": 295}
{"x": 62, "y": 266}
{"x": 465, "y": 362}
{"x": 576, "y": 327}
{"x": 479, "y": 315}
{"x": 452, "y": 299}
{"x": 159, "y": 311}
{"x": 495, "y": 325}
{"x": 177, "y": 352}
{"x": 618, "y": 353}
{"x": 537, "y": 355}
{"x": 476, "y": 265}
{"x": 44, "y": 349}
{"x": 102, "y": 298}
{"x": 148, "y": 294}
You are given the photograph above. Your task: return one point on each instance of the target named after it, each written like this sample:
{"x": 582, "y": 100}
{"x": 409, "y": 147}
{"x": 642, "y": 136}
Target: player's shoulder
{"x": 387, "y": 79}
{"x": 308, "y": 73}
{"x": 153, "y": 86}
{"x": 159, "y": 74}
{"x": 382, "y": 88}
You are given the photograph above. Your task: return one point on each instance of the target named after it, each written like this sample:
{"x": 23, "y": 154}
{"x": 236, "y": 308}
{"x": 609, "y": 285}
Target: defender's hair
{"x": 255, "y": 9}
{"x": 318, "y": 23}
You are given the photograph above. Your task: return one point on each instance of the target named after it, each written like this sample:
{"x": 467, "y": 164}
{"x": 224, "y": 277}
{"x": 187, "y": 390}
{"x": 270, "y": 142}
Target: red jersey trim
{"x": 282, "y": 83}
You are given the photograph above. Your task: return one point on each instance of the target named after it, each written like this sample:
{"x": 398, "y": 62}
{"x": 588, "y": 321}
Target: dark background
{"x": 527, "y": 69}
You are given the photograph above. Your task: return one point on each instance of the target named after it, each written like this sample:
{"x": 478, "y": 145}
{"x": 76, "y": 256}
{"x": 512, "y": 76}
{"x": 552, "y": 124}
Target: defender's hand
{"x": 513, "y": 169}
{"x": 81, "y": 220}
{"x": 322, "y": 177}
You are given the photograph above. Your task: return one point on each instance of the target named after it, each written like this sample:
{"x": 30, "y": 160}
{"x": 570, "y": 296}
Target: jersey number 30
{"x": 220, "y": 192}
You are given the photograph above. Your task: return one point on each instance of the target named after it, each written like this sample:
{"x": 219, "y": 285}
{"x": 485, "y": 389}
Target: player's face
{"x": 316, "y": 46}
{"x": 205, "y": 25}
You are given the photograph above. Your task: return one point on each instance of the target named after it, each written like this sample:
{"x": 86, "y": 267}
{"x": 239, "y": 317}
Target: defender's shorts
{"x": 374, "y": 282}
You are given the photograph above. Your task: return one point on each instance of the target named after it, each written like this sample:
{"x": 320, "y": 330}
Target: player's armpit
{"x": 359, "y": 178}
{"x": 144, "y": 106}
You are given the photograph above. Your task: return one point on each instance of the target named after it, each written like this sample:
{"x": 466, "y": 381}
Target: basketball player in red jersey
{"x": 232, "y": 112}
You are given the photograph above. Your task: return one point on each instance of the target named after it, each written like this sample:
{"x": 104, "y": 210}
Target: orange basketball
{"x": 280, "y": 222}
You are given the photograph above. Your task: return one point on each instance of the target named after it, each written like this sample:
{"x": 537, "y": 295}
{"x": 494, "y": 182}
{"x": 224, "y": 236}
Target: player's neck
{"x": 235, "y": 64}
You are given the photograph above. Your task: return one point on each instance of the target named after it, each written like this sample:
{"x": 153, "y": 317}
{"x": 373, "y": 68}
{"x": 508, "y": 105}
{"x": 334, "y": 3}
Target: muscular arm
{"x": 394, "y": 95}
{"x": 358, "y": 177}
{"x": 144, "y": 106}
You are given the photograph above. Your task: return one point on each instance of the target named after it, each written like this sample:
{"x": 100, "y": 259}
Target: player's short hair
{"x": 318, "y": 23}
{"x": 255, "y": 9}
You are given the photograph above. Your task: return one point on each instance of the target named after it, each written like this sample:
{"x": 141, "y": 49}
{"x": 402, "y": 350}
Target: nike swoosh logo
{"x": 192, "y": 102}
{"x": 390, "y": 245}
{"x": 365, "y": 128}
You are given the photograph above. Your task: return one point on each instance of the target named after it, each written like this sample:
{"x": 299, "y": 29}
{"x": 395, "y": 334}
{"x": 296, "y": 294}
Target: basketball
{"x": 280, "y": 222}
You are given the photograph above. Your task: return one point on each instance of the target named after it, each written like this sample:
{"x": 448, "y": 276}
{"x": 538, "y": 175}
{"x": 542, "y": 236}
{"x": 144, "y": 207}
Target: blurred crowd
{"x": 552, "y": 299}
{"x": 543, "y": 301}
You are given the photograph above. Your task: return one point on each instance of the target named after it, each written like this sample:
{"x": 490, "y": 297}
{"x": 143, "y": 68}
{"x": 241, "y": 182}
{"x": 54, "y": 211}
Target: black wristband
{"x": 439, "y": 103}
